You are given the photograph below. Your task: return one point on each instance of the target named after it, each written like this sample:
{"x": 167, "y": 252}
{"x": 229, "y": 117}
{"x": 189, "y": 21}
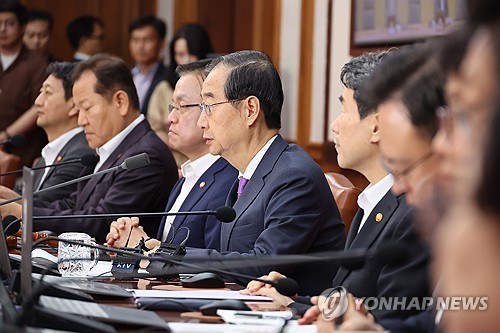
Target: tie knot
{"x": 242, "y": 182}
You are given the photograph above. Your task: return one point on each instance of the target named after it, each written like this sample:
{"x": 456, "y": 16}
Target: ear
{"x": 121, "y": 101}
{"x": 375, "y": 128}
{"x": 73, "y": 111}
{"x": 252, "y": 110}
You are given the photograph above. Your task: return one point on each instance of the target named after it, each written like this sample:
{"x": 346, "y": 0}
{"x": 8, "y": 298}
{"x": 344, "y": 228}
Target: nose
{"x": 202, "y": 121}
{"x": 334, "y": 127}
{"x": 172, "y": 117}
{"x": 82, "y": 119}
{"x": 39, "y": 100}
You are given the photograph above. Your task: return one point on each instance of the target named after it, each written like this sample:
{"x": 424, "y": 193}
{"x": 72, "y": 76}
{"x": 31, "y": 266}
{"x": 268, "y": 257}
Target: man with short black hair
{"x": 86, "y": 36}
{"x": 147, "y": 40}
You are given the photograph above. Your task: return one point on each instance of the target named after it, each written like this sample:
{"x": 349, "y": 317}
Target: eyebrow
{"x": 208, "y": 94}
{"x": 341, "y": 99}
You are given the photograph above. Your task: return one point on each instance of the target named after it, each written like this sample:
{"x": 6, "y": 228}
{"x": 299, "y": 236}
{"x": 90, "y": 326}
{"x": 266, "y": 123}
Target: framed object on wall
{"x": 383, "y": 23}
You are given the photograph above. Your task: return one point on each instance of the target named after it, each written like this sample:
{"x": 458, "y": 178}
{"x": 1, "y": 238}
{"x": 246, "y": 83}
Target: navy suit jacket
{"x": 286, "y": 208}
{"x": 160, "y": 75}
{"x": 75, "y": 148}
{"x": 121, "y": 191}
{"x": 209, "y": 193}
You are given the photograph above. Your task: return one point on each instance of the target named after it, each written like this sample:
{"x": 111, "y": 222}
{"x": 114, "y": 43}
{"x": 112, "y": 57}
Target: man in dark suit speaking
{"x": 282, "y": 200}
{"x": 108, "y": 107}
{"x": 383, "y": 217}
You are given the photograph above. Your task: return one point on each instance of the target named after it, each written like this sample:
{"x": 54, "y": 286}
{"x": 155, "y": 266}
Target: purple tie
{"x": 242, "y": 182}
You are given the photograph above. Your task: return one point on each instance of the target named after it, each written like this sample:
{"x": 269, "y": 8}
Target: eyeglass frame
{"x": 172, "y": 107}
{"x": 204, "y": 106}
{"x": 406, "y": 171}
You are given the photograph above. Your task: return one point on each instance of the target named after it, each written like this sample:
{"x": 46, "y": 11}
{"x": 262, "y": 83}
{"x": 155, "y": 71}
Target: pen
{"x": 128, "y": 238}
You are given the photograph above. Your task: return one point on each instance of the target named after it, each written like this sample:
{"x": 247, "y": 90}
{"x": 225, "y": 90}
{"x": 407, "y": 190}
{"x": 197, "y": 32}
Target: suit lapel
{"x": 370, "y": 231}
{"x": 38, "y": 174}
{"x": 252, "y": 189}
{"x": 353, "y": 229}
{"x": 115, "y": 158}
{"x": 376, "y": 222}
{"x": 199, "y": 189}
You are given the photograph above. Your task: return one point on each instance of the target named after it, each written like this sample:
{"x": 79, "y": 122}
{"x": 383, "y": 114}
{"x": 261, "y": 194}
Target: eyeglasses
{"x": 182, "y": 109}
{"x": 206, "y": 109}
{"x": 398, "y": 175}
{"x": 452, "y": 120}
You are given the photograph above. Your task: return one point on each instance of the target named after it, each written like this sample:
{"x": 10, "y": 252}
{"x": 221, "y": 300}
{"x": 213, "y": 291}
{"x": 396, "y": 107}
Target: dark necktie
{"x": 242, "y": 182}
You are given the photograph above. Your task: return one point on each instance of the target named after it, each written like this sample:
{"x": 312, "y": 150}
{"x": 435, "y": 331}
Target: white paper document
{"x": 291, "y": 327}
{"x": 199, "y": 294}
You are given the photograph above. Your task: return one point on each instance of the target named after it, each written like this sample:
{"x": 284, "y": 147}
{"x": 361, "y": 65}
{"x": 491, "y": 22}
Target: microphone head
{"x": 287, "y": 286}
{"x": 225, "y": 214}
{"x": 135, "y": 162}
{"x": 89, "y": 160}
{"x": 18, "y": 140}
{"x": 8, "y": 228}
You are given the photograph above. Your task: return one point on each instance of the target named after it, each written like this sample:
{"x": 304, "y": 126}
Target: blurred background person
{"x": 21, "y": 75}
{"x": 86, "y": 36}
{"x": 190, "y": 43}
{"x": 38, "y": 31}
{"x": 147, "y": 39}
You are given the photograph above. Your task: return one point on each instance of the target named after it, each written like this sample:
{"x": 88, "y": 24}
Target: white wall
{"x": 289, "y": 65}
{"x": 166, "y": 13}
{"x": 341, "y": 21}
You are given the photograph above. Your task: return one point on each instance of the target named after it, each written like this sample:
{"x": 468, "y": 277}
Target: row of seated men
{"x": 227, "y": 123}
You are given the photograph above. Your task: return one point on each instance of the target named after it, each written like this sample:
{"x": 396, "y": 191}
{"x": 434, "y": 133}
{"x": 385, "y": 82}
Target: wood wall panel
{"x": 116, "y": 15}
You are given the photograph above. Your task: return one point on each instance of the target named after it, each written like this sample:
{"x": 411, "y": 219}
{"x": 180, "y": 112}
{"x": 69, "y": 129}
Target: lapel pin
{"x": 379, "y": 217}
{"x": 202, "y": 184}
{"x": 59, "y": 158}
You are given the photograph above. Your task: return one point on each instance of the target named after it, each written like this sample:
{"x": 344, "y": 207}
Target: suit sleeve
{"x": 122, "y": 192}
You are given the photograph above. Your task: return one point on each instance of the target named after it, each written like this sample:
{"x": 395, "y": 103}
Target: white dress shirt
{"x": 372, "y": 195}
{"x": 143, "y": 81}
{"x": 109, "y": 147}
{"x": 254, "y": 163}
{"x": 52, "y": 149}
{"x": 191, "y": 171}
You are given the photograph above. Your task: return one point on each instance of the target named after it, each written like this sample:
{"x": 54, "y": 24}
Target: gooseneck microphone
{"x": 131, "y": 163}
{"x": 87, "y": 160}
{"x": 224, "y": 214}
{"x": 16, "y": 140}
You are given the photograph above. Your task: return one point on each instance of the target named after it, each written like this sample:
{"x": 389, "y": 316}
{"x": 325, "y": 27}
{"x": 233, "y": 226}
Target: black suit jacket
{"x": 376, "y": 279}
{"x": 141, "y": 190}
{"x": 75, "y": 148}
{"x": 160, "y": 75}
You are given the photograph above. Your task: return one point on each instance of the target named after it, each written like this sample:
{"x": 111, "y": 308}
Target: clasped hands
{"x": 13, "y": 208}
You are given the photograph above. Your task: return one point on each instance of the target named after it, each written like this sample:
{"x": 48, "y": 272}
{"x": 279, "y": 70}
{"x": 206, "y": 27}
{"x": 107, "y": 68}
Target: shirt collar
{"x": 372, "y": 195}
{"x": 136, "y": 71}
{"x": 50, "y": 151}
{"x": 254, "y": 163}
{"x": 195, "y": 169}
{"x": 109, "y": 147}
